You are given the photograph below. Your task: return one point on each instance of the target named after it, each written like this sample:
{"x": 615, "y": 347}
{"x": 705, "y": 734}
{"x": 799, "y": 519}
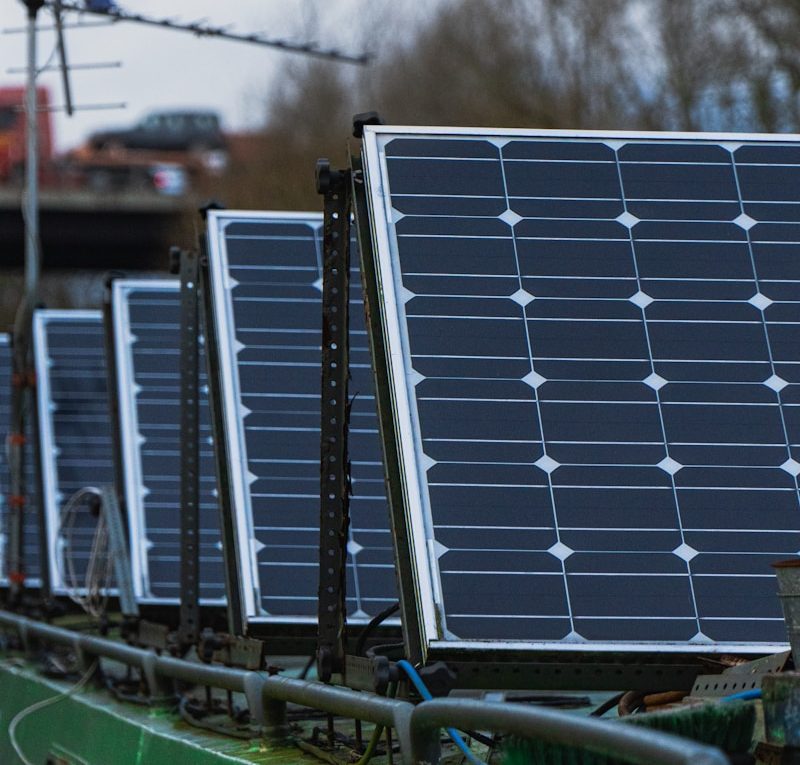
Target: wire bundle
{"x": 99, "y": 569}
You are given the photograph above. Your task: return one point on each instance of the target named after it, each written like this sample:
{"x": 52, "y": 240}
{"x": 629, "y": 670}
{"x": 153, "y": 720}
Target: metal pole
{"x": 21, "y": 394}
{"x": 62, "y": 54}
{"x": 31, "y": 203}
{"x": 610, "y": 739}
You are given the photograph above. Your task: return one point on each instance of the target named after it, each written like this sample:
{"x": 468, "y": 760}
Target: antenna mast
{"x": 22, "y": 398}
{"x": 31, "y": 201}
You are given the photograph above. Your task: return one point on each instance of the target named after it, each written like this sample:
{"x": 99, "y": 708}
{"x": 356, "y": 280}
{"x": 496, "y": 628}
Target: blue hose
{"x": 755, "y": 693}
{"x": 423, "y": 691}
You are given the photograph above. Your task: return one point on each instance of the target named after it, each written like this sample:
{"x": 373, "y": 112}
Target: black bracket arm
{"x": 334, "y": 185}
{"x": 189, "y": 628}
{"x": 236, "y": 625}
{"x": 21, "y": 445}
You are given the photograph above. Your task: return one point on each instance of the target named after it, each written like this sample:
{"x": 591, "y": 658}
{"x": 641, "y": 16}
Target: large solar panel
{"x": 75, "y": 433}
{"x": 266, "y": 274}
{"x": 31, "y": 549}
{"x": 146, "y": 315}
{"x": 595, "y": 383}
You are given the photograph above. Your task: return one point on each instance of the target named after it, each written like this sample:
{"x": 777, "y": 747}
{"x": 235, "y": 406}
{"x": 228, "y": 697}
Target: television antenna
{"x": 201, "y": 28}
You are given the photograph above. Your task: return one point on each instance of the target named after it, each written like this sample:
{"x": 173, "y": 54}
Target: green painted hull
{"x": 90, "y": 728}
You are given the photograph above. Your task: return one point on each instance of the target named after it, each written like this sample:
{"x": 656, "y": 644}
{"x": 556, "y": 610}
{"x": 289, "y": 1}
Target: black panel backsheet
{"x": 275, "y": 267}
{"x": 605, "y": 381}
{"x": 152, "y": 314}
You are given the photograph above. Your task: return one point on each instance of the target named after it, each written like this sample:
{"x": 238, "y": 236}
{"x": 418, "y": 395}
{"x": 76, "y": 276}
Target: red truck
{"x": 12, "y": 133}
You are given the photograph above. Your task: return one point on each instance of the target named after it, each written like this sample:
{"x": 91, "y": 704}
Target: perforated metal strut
{"x": 189, "y": 629}
{"x": 20, "y": 403}
{"x": 334, "y": 185}
{"x": 23, "y": 403}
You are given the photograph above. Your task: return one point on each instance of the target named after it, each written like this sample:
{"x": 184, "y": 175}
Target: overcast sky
{"x": 163, "y": 68}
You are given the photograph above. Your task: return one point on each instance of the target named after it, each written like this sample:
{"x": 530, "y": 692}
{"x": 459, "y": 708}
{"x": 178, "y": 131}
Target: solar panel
{"x": 146, "y": 316}
{"x": 75, "y": 433}
{"x": 594, "y": 383}
{"x": 265, "y": 271}
{"x": 31, "y": 550}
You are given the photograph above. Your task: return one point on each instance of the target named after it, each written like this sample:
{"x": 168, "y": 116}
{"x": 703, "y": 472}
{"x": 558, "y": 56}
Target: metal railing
{"x": 418, "y": 727}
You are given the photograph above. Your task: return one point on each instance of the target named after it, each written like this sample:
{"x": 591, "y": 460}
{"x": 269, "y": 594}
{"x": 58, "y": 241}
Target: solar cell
{"x": 594, "y": 383}
{"x": 146, "y": 316}
{"x": 31, "y": 549}
{"x": 75, "y": 433}
{"x": 265, "y": 271}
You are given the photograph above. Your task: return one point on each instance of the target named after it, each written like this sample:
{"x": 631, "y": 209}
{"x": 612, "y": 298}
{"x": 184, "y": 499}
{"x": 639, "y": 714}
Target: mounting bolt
{"x": 109, "y": 278}
{"x": 324, "y": 664}
{"x": 439, "y": 678}
{"x": 33, "y": 6}
{"x": 365, "y": 118}
{"x": 326, "y": 179}
{"x": 209, "y": 642}
{"x": 212, "y": 204}
{"x": 175, "y": 259}
{"x": 381, "y": 674}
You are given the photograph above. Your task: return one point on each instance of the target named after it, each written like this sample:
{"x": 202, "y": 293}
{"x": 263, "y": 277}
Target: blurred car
{"x": 196, "y": 131}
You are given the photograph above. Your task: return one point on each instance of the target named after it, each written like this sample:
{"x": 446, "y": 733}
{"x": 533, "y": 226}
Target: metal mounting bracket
{"x": 118, "y": 550}
{"x": 22, "y": 401}
{"x": 740, "y": 677}
{"x": 369, "y": 673}
{"x": 147, "y": 634}
{"x": 334, "y": 185}
{"x": 189, "y": 627}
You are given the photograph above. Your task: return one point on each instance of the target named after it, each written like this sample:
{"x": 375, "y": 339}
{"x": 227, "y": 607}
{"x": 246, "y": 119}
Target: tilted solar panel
{"x": 595, "y": 383}
{"x": 266, "y": 279}
{"x": 31, "y": 547}
{"x": 146, "y": 316}
{"x": 75, "y": 434}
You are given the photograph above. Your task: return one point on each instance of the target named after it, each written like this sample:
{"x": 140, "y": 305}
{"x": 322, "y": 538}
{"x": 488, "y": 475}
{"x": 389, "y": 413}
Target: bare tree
{"x": 625, "y": 64}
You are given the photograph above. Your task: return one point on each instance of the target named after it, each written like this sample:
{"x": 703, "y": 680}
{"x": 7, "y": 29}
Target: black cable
{"x": 631, "y": 702}
{"x": 375, "y": 622}
{"x": 189, "y": 716}
{"x": 607, "y": 705}
{"x": 115, "y": 688}
{"x": 386, "y": 650}
{"x": 310, "y": 663}
{"x": 481, "y": 739}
